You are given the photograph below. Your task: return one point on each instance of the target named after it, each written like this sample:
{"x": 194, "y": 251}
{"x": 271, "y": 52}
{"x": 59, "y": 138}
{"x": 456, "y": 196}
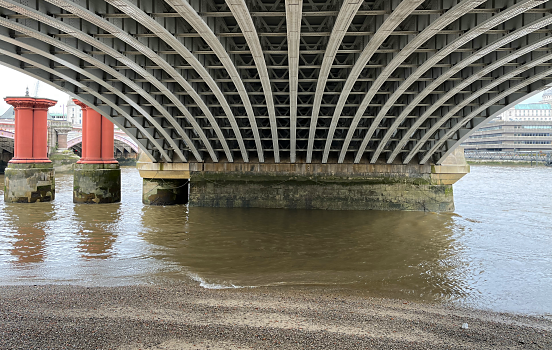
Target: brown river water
{"x": 494, "y": 252}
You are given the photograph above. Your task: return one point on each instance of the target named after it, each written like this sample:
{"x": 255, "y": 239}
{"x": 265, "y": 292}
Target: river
{"x": 494, "y": 252}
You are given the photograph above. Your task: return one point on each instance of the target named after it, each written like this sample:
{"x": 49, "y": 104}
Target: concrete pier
{"x": 29, "y": 176}
{"x": 96, "y": 183}
{"x": 165, "y": 191}
{"x": 164, "y": 183}
{"x": 29, "y": 183}
{"x": 97, "y": 176}
{"x": 310, "y": 186}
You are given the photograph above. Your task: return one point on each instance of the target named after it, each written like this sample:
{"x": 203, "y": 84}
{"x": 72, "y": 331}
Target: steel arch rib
{"x": 91, "y": 17}
{"x": 189, "y": 14}
{"x": 35, "y": 49}
{"x": 480, "y": 92}
{"x": 243, "y": 17}
{"x": 140, "y": 16}
{"x": 457, "y": 68}
{"x": 81, "y": 55}
{"x": 470, "y": 35}
{"x": 485, "y": 122}
{"x": 342, "y": 22}
{"x": 19, "y": 58}
{"x": 294, "y": 9}
{"x": 450, "y": 94}
{"x": 402, "y": 11}
{"x": 115, "y": 54}
{"x": 440, "y": 23}
{"x": 495, "y": 99}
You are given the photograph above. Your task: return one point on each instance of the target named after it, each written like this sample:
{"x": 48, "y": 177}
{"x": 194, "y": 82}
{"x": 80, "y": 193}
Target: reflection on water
{"x": 494, "y": 252}
{"x": 391, "y": 255}
{"x": 96, "y": 235}
{"x": 28, "y": 231}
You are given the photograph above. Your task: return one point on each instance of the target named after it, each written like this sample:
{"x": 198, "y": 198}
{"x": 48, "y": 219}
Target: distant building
{"x": 74, "y": 113}
{"x": 56, "y": 116}
{"x": 525, "y": 127}
{"x": 9, "y": 115}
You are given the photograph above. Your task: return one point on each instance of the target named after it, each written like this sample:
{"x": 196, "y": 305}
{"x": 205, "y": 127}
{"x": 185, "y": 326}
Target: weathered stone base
{"x": 210, "y": 190}
{"x": 29, "y": 183}
{"x": 64, "y": 160}
{"x": 97, "y": 183}
{"x": 165, "y": 191}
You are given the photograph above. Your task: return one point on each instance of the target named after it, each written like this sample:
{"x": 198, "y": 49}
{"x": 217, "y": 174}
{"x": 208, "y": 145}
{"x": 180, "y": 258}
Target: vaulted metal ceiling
{"x": 286, "y": 81}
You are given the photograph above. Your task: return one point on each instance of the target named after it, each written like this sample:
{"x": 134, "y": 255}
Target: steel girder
{"x": 286, "y": 81}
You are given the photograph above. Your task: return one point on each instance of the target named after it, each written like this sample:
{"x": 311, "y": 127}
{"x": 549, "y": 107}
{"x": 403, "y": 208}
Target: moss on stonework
{"x": 29, "y": 183}
{"x": 329, "y": 193}
{"x": 324, "y": 180}
{"x": 97, "y": 183}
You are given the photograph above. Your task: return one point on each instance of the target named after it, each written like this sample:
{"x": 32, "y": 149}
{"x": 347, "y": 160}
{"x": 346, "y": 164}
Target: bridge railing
{"x": 515, "y": 156}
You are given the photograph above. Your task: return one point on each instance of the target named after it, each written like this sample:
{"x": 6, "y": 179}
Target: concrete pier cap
{"x": 164, "y": 183}
{"x": 330, "y": 186}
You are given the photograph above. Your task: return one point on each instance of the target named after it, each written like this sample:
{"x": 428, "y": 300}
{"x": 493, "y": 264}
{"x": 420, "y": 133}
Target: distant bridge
{"x": 516, "y": 156}
{"x": 123, "y": 147}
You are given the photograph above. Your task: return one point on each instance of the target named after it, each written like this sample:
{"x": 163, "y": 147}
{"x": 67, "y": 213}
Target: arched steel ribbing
{"x": 294, "y": 10}
{"x": 331, "y": 81}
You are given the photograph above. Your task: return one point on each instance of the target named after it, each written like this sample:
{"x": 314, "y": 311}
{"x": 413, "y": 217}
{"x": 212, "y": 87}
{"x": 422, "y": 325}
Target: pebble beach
{"x": 187, "y": 316}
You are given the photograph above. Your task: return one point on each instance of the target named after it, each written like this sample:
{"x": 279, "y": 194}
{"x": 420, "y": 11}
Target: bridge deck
{"x": 287, "y": 81}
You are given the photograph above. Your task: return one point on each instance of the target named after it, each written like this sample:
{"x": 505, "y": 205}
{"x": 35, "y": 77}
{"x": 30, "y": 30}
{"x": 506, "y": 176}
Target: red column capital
{"x": 80, "y": 104}
{"x": 31, "y": 128}
{"x": 43, "y": 103}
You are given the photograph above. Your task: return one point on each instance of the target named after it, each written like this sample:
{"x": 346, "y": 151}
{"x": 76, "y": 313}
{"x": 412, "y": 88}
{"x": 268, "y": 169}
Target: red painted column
{"x": 108, "y": 141}
{"x": 84, "y": 120}
{"x": 97, "y": 137}
{"x": 31, "y": 129}
{"x": 40, "y": 131}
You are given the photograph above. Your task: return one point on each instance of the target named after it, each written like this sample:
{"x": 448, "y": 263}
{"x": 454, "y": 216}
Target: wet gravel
{"x": 183, "y": 316}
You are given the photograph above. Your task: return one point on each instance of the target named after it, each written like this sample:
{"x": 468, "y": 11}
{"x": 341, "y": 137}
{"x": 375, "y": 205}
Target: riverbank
{"x": 506, "y": 163}
{"x": 184, "y": 316}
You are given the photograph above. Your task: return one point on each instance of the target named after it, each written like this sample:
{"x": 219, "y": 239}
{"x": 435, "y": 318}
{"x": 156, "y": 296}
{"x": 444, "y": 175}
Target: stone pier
{"x": 309, "y": 186}
{"x": 164, "y": 183}
{"x": 97, "y": 176}
{"x": 29, "y": 176}
{"x": 63, "y": 159}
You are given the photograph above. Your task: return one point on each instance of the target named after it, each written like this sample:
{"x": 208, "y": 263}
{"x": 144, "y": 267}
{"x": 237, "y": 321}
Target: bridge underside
{"x": 120, "y": 150}
{"x": 321, "y": 81}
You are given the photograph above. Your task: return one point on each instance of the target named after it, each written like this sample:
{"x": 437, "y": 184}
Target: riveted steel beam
{"x": 496, "y": 82}
{"x": 344, "y": 18}
{"x": 473, "y": 33}
{"x": 496, "y": 65}
{"x": 91, "y": 17}
{"x": 188, "y": 13}
{"x": 400, "y": 14}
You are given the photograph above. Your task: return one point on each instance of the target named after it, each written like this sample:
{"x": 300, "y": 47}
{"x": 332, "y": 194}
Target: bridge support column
{"x": 325, "y": 186}
{"x": 63, "y": 159}
{"x": 29, "y": 176}
{"x": 97, "y": 176}
{"x": 164, "y": 183}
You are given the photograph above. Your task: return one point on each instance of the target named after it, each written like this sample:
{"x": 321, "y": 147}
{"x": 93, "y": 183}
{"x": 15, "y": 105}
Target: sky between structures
{"x": 14, "y": 83}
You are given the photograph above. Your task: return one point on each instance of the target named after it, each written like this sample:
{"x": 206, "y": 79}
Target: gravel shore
{"x": 185, "y": 316}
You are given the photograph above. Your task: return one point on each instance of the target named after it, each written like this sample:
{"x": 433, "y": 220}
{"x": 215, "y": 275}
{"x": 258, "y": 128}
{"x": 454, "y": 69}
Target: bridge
{"x": 510, "y": 156}
{"x": 291, "y": 89}
{"x": 123, "y": 147}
